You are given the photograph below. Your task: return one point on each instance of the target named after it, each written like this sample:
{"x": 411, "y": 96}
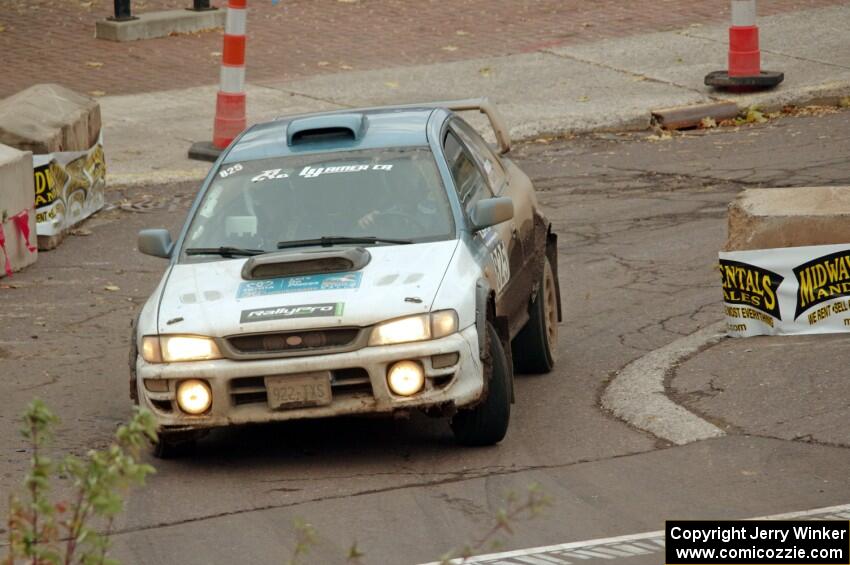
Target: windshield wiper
{"x": 224, "y": 251}
{"x": 330, "y": 241}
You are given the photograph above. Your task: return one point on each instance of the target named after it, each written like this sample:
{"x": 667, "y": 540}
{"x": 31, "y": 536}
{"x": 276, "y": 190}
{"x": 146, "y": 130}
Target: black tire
{"x": 487, "y": 423}
{"x": 134, "y": 353}
{"x": 173, "y": 446}
{"x": 535, "y": 348}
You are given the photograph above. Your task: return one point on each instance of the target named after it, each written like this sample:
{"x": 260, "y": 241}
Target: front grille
{"x": 248, "y": 390}
{"x": 344, "y": 383}
{"x": 304, "y": 342}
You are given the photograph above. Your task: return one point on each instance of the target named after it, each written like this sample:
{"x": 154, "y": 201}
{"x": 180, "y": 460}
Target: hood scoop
{"x": 299, "y": 264}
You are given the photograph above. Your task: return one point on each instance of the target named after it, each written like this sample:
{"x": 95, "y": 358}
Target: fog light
{"x": 194, "y": 396}
{"x": 406, "y": 378}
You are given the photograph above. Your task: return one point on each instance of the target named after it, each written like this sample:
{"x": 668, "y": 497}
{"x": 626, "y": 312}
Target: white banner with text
{"x": 793, "y": 290}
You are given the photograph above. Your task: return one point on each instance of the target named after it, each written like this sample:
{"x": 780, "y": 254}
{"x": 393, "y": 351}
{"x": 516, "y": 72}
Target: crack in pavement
{"x": 454, "y": 477}
{"x": 571, "y": 57}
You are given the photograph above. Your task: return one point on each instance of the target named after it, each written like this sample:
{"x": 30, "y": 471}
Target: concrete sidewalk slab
{"x": 669, "y": 57}
{"x": 608, "y": 85}
{"x": 147, "y": 136}
{"x": 537, "y": 93}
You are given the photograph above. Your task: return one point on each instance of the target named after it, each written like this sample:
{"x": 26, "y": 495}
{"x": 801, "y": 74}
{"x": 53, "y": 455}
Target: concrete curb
{"x": 129, "y": 180}
{"x": 820, "y": 95}
{"x": 636, "y": 395}
{"x": 160, "y": 24}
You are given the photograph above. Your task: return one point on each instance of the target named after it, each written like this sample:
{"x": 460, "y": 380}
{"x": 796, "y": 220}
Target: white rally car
{"x": 357, "y": 262}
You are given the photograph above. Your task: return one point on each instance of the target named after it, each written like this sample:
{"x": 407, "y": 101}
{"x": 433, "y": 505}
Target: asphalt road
{"x": 640, "y": 221}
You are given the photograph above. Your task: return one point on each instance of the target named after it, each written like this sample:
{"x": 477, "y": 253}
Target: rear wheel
{"x": 487, "y": 423}
{"x": 535, "y": 348}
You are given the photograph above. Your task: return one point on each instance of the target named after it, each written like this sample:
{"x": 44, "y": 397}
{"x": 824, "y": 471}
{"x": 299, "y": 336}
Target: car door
{"x": 501, "y": 248}
{"x": 529, "y": 228}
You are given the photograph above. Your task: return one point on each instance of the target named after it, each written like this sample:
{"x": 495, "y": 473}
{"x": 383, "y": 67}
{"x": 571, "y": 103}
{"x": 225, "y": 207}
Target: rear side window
{"x": 470, "y": 183}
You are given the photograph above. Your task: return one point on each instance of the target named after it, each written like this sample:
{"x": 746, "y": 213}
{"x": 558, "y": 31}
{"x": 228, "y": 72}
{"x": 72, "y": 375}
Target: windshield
{"x": 383, "y": 193}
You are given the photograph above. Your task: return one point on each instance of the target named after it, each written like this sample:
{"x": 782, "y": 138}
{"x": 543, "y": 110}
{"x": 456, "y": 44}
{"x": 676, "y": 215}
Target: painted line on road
{"x": 629, "y": 546}
{"x": 636, "y": 395}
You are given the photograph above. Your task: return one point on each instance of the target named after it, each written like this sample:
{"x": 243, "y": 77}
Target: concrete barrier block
{"x": 46, "y": 118}
{"x": 789, "y": 217}
{"x": 159, "y": 24}
{"x": 17, "y": 196}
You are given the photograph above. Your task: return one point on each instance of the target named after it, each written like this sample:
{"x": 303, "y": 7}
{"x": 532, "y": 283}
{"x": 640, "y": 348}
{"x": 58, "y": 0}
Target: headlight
{"x": 415, "y": 328}
{"x": 173, "y": 348}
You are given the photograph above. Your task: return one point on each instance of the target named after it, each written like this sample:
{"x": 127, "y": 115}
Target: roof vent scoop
{"x": 289, "y": 264}
{"x": 330, "y": 127}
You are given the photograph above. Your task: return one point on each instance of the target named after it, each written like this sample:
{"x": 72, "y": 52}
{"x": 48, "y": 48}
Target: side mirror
{"x": 156, "y": 242}
{"x": 491, "y": 211}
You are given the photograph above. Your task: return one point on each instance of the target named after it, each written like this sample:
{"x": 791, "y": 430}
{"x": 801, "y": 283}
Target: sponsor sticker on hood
{"x": 293, "y": 311}
{"x": 334, "y": 281}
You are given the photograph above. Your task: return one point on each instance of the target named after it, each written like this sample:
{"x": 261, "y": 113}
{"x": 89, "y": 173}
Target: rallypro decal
{"x": 793, "y": 290}
{"x": 335, "y": 281}
{"x": 291, "y": 312}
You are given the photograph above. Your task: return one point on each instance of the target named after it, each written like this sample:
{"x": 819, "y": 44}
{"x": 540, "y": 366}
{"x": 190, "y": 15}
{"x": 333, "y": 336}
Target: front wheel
{"x": 487, "y": 423}
{"x": 174, "y": 445}
{"x": 535, "y": 348}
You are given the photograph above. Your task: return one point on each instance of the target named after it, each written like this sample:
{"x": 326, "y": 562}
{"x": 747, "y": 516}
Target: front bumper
{"x": 359, "y": 384}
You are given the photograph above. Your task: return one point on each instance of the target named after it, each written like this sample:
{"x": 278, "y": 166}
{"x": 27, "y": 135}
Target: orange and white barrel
{"x": 230, "y": 118}
{"x": 744, "y": 52}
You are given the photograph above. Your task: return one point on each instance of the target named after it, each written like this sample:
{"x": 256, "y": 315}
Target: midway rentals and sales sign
{"x": 794, "y": 290}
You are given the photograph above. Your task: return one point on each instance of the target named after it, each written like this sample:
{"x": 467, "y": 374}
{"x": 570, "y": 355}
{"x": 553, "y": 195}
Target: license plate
{"x": 296, "y": 391}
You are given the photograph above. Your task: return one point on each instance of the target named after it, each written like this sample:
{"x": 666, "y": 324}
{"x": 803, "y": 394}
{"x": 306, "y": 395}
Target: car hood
{"x": 212, "y": 298}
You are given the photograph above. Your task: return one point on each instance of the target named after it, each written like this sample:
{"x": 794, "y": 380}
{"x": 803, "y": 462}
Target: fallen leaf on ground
{"x": 461, "y": 32}
{"x": 663, "y": 136}
{"x": 97, "y": 93}
{"x": 94, "y": 64}
{"x": 844, "y": 102}
{"x": 111, "y": 288}
{"x": 584, "y": 99}
{"x": 346, "y": 67}
{"x": 215, "y": 53}
{"x": 752, "y": 115}
{"x": 708, "y": 123}
{"x": 391, "y": 84}
{"x": 323, "y": 63}
{"x": 81, "y": 232}
{"x": 485, "y": 72}
{"x": 449, "y": 48}
{"x": 2, "y": 28}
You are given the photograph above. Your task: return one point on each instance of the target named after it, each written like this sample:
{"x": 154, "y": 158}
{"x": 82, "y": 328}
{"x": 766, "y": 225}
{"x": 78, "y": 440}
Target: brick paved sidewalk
{"x": 53, "y": 40}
